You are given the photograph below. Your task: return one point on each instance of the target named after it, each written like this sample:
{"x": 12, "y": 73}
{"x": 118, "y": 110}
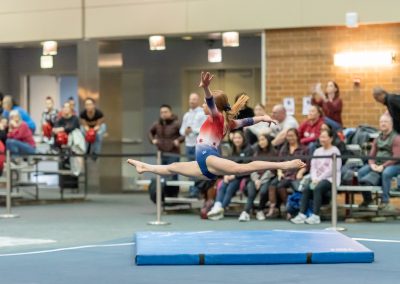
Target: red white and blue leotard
{"x": 211, "y": 135}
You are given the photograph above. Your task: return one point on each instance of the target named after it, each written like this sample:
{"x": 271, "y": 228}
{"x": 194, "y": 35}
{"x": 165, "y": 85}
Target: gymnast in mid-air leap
{"x": 209, "y": 164}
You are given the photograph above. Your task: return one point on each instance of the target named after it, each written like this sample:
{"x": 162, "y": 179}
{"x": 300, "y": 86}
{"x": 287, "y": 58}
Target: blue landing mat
{"x": 248, "y": 247}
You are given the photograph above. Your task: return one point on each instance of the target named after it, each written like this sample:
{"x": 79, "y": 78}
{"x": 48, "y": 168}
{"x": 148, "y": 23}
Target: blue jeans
{"x": 190, "y": 153}
{"x": 99, "y": 138}
{"x": 18, "y": 147}
{"x": 333, "y": 124}
{"x": 170, "y": 160}
{"x": 387, "y": 175}
{"x": 227, "y": 191}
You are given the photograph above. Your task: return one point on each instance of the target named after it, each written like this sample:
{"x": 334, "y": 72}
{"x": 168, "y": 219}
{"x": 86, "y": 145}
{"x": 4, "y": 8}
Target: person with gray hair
{"x": 386, "y": 145}
{"x": 392, "y": 102}
{"x": 191, "y": 123}
{"x": 20, "y": 137}
{"x": 285, "y": 122}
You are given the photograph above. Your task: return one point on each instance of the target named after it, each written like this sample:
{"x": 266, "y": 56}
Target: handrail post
{"x": 8, "y": 185}
{"x": 158, "y": 197}
{"x": 334, "y": 216}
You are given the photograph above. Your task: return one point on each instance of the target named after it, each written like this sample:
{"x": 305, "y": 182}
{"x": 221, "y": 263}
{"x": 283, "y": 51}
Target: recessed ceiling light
{"x": 187, "y": 38}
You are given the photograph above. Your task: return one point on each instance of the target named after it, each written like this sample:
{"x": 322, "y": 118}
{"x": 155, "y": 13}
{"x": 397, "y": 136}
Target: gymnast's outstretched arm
{"x": 239, "y": 123}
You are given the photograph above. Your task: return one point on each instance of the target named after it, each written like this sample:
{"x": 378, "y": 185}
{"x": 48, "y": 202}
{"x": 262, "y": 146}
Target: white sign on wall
{"x": 289, "y": 105}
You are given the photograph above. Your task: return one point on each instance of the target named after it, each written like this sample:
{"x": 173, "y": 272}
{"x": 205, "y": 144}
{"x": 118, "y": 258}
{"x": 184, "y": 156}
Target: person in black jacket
{"x": 392, "y": 102}
{"x": 68, "y": 122}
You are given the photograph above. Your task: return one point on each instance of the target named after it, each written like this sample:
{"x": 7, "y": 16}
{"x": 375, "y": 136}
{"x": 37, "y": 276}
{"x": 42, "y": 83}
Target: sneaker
{"x": 299, "y": 219}
{"x": 313, "y": 219}
{"x": 260, "y": 216}
{"x": 365, "y": 204}
{"x": 244, "y": 217}
{"x": 387, "y": 207}
{"x": 216, "y": 210}
{"x": 216, "y": 216}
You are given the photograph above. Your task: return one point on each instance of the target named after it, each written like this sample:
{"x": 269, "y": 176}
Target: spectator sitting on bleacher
{"x": 231, "y": 183}
{"x": 66, "y": 123}
{"x": 319, "y": 190}
{"x": 49, "y": 118}
{"x": 285, "y": 122}
{"x": 9, "y": 104}
{"x": 93, "y": 118}
{"x": 386, "y": 145}
{"x": 392, "y": 102}
{"x": 309, "y": 130}
{"x": 20, "y": 137}
{"x": 288, "y": 179}
{"x": 330, "y": 102}
{"x": 259, "y": 181}
{"x": 253, "y": 132}
{"x": 338, "y": 139}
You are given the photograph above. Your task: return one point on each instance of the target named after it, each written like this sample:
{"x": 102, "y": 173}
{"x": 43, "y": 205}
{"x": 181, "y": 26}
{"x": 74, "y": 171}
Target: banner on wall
{"x": 288, "y": 104}
{"x": 306, "y": 105}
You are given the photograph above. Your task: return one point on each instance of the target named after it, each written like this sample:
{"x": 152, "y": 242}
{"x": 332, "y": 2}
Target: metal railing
{"x": 159, "y": 155}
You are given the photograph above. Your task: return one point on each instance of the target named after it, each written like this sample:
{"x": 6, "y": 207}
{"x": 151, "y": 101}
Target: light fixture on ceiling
{"x": 230, "y": 39}
{"x": 187, "y": 38}
{"x": 214, "y": 55}
{"x": 49, "y": 47}
{"x": 365, "y": 59}
{"x": 352, "y": 20}
{"x": 157, "y": 42}
{"x": 214, "y": 36}
{"x": 46, "y": 61}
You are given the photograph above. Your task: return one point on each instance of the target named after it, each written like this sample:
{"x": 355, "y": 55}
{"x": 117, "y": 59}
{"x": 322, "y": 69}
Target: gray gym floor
{"x": 92, "y": 243}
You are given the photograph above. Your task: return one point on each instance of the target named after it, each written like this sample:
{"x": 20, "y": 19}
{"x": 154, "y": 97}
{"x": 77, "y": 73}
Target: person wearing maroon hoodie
{"x": 331, "y": 104}
{"x": 310, "y": 129}
{"x": 20, "y": 137}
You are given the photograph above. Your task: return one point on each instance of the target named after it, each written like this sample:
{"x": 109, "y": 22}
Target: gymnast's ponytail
{"x": 230, "y": 113}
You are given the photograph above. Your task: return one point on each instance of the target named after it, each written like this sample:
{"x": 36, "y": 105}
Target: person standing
{"x": 164, "y": 134}
{"x": 191, "y": 123}
{"x": 331, "y": 104}
{"x": 392, "y": 102}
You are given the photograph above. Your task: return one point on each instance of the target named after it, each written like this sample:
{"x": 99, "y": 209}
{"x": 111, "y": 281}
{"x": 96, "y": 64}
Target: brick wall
{"x": 298, "y": 58}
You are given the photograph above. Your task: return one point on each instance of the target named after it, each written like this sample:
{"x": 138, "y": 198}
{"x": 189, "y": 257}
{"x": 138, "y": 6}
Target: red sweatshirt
{"x": 309, "y": 131}
{"x": 23, "y": 134}
{"x": 333, "y": 109}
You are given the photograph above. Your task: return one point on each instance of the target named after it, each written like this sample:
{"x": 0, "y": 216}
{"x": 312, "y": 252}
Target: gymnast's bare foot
{"x": 140, "y": 166}
{"x": 293, "y": 164}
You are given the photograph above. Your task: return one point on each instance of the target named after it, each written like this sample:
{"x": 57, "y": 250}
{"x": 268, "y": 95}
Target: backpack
{"x": 362, "y": 135}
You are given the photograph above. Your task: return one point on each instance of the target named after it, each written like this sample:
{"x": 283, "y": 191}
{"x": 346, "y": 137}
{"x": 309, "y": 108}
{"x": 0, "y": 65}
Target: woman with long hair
{"x": 241, "y": 152}
{"x": 260, "y": 181}
{"x": 220, "y": 121}
{"x": 330, "y": 102}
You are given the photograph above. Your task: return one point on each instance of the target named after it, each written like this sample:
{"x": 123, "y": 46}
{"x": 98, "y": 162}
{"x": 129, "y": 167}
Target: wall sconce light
{"x": 46, "y": 61}
{"x": 49, "y": 47}
{"x": 214, "y": 55}
{"x": 230, "y": 39}
{"x": 157, "y": 42}
{"x": 365, "y": 59}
